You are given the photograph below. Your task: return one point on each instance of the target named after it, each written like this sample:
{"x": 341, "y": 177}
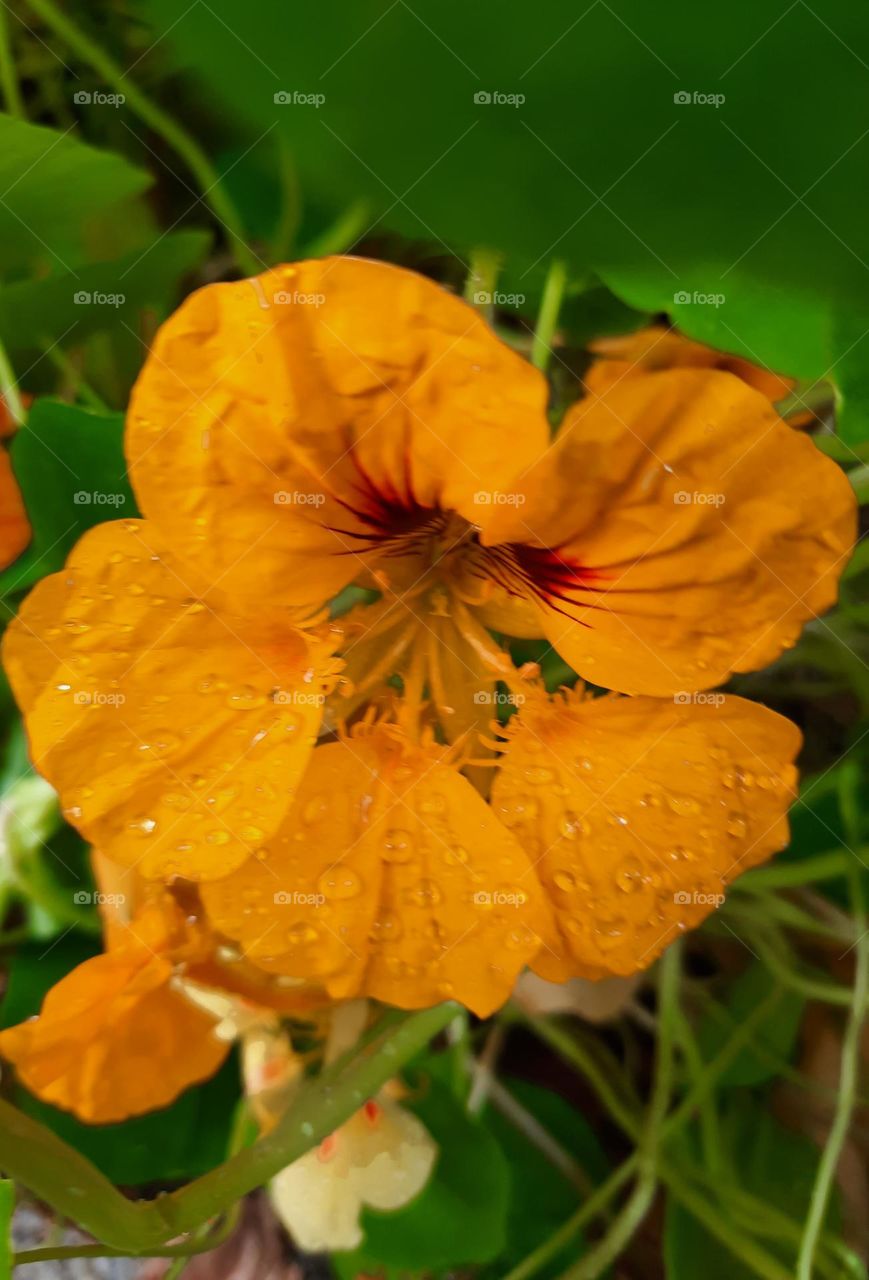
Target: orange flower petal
{"x": 174, "y": 728}
{"x": 694, "y": 533}
{"x": 14, "y": 526}
{"x": 280, "y": 416}
{"x": 416, "y": 880}
{"x": 113, "y": 1040}
{"x": 658, "y": 347}
{"x": 637, "y": 812}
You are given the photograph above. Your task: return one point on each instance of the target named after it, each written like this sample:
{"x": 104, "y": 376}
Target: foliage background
{"x": 652, "y": 203}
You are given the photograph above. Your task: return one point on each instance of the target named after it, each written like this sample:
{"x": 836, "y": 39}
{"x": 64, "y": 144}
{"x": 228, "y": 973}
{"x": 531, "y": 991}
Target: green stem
{"x": 574, "y": 1224}
{"x": 482, "y": 278}
{"x": 713, "y": 1220}
{"x": 598, "y": 1259}
{"x": 64, "y": 1179}
{"x": 817, "y": 396}
{"x": 677, "y": 1118}
{"x": 80, "y": 387}
{"x": 859, "y": 479}
{"x": 848, "y": 1078}
{"x": 547, "y": 318}
{"x": 786, "y": 875}
{"x": 9, "y": 388}
{"x": 8, "y": 77}
{"x": 161, "y": 122}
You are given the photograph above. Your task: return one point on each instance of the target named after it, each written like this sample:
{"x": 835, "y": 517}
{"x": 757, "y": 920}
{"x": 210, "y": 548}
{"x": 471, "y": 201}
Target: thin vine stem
{"x": 547, "y": 318}
{"x": 848, "y": 1081}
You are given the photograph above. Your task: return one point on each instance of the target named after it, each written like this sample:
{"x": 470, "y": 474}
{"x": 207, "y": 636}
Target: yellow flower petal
{"x": 637, "y": 813}
{"x": 174, "y": 727}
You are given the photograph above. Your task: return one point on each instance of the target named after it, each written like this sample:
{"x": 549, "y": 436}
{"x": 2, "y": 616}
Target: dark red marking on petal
{"x": 545, "y": 574}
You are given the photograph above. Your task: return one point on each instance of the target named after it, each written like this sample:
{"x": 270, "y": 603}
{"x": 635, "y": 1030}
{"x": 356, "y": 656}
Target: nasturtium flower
{"x": 174, "y": 721}
{"x": 345, "y": 424}
{"x": 344, "y": 420}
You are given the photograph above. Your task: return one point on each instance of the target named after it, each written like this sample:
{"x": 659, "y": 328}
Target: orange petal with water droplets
{"x": 637, "y": 813}
{"x": 174, "y": 727}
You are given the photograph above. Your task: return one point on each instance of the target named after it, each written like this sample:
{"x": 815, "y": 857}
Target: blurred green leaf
{"x": 70, "y": 466}
{"x": 542, "y": 1198}
{"x": 67, "y": 306}
{"x": 764, "y": 1158}
{"x": 51, "y": 186}
{"x": 778, "y": 1033}
{"x": 675, "y": 158}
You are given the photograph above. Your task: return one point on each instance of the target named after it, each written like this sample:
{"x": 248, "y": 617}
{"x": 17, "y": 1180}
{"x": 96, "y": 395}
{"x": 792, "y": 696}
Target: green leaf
{"x": 7, "y": 1207}
{"x": 53, "y": 185}
{"x": 459, "y": 1218}
{"x": 36, "y": 313}
{"x": 756, "y": 197}
{"x": 178, "y": 1143}
{"x": 774, "y": 1164}
{"x": 70, "y": 466}
{"x": 777, "y": 1034}
{"x": 542, "y": 1198}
